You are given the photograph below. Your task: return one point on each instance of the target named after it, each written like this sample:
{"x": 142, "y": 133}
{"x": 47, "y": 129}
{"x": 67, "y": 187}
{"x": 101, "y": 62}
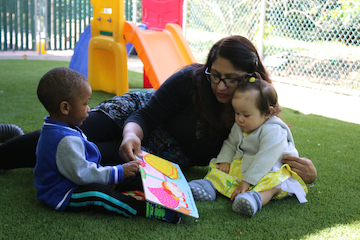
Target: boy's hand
{"x": 243, "y": 187}
{"x": 130, "y": 168}
{"x": 225, "y": 167}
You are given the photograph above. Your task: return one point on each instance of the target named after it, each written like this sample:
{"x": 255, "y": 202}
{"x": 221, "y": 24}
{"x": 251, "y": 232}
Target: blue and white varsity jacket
{"x": 65, "y": 159}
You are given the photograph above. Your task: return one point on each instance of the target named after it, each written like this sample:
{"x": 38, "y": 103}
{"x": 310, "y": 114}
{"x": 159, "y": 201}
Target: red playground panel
{"x": 157, "y": 13}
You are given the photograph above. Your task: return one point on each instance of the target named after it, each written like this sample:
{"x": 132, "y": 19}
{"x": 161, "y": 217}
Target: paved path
{"x": 31, "y": 55}
{"x": 309, "y": 99}
{"x": 319, "y": 102}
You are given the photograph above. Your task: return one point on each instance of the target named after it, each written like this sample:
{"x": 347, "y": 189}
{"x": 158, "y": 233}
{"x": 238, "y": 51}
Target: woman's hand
{"x": 225, "y": 167}
{"x": 243, "y": 187}
{"x": 302, "y": 166}
{"x": 131, "y": 143}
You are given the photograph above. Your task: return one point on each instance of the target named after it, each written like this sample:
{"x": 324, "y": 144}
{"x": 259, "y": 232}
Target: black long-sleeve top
{"x": 173, "y": 107}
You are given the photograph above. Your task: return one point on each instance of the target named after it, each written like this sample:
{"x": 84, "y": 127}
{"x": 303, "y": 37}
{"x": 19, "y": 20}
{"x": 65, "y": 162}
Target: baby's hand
{"x": 130, "y": 168}
{"x": 243, "y": 187}
{"x": 225, "y": 167}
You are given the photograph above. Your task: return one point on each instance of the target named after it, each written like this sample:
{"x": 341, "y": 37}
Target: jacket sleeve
{"x": 72, "y": 163}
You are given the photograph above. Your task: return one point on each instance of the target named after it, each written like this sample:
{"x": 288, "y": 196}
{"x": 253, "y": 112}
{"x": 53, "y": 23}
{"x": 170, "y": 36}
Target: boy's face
{"x": 247, "y": 115}
{"x": 79, "y": 108}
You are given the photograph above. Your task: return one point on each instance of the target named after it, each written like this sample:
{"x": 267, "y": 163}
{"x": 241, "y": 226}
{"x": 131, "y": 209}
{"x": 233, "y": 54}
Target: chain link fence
{"x": 311, "y": 41}
{"x": 315, "y": 41}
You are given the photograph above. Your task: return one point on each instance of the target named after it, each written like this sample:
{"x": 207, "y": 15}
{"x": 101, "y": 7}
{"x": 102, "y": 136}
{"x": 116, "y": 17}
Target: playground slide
{"x": 79, "y": 60}
{"x": 162, "y": 52}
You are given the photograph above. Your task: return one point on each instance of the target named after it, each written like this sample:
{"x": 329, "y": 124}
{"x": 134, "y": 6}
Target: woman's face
{"x": 223, "y": 68}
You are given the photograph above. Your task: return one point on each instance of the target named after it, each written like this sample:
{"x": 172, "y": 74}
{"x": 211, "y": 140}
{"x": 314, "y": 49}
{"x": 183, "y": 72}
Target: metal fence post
{"x": 262, "y": 29}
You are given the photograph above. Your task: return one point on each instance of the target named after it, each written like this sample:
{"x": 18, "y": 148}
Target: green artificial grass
{"x": 18, "y": 84}
{"x": 332, "y": 211}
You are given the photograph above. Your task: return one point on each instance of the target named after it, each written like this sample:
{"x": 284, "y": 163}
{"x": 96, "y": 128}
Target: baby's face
{"x": 247, "y": 115}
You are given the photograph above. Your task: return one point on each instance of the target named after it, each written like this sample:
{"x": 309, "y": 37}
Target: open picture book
{"x": 165, "y": 184}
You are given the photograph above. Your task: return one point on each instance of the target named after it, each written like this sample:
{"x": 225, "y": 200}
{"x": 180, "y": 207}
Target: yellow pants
{"x": 227, "y": 183}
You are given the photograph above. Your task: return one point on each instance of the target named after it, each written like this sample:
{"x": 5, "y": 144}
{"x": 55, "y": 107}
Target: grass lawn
{"x": 332, "y": 212}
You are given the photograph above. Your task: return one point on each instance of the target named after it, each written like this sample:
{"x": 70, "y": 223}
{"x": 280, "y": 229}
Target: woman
{"x": 185, "y": 120}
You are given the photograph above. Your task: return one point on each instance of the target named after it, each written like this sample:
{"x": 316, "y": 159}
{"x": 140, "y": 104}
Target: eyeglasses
{"x": 229, "y": 82}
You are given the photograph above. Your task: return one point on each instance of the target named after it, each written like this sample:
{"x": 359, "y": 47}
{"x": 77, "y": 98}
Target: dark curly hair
{"x": 57, "y": 85}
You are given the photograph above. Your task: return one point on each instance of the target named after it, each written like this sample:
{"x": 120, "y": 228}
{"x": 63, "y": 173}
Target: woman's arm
{"x": 167, "y": 101}
{"x": 302, "y": 166}
{"x": 172, "y": 97}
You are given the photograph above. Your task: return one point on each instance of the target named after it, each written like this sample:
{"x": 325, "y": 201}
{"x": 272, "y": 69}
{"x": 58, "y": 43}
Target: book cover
{"x": 165, "y": 184}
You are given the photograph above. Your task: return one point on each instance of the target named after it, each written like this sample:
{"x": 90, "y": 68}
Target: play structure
{"x": 157, "y": 13}
{"x": 162, "y": 53}
{"x": 107, "y": 69}
{"x": 162, "y": 50}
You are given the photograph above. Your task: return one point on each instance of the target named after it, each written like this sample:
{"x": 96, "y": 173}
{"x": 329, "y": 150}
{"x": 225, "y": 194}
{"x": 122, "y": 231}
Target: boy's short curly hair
{"x": 57, "y": 85}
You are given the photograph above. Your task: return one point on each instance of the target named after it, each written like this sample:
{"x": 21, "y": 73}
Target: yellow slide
{"x": 107, "y": 67}
{"x": 162, "y": 52}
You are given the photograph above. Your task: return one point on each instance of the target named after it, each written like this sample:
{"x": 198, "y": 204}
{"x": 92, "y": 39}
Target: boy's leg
{"x": 98, "y": 195}
{"x": 203, "y": 190}
{"x": 130, "y": 184}
{"x": 161, "y": 213}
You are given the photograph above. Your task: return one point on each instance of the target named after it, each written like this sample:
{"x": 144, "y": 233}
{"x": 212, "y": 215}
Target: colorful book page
{"x": 165, "y": 184}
